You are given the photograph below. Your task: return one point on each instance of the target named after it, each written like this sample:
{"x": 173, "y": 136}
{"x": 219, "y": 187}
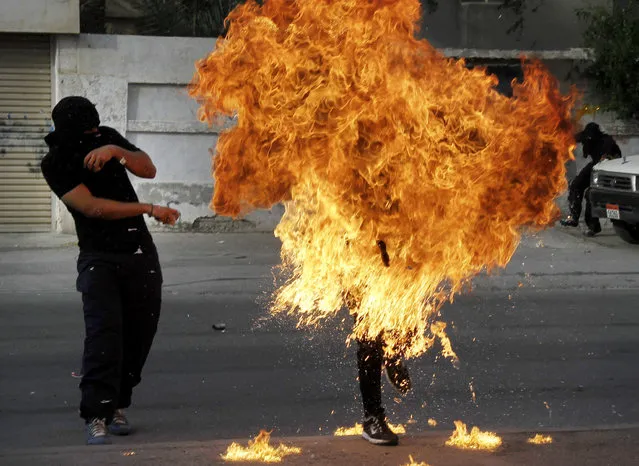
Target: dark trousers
{"x": 578, "y": 187}
{"x": 121, "y": 296}
{"x": 370, "y": 359}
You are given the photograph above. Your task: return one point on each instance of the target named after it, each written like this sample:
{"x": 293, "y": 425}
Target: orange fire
{"x": 358, "y": 429}
{"x": 259, "y": 450}
{"x": 413, "y": 463}
{"x": 403, "y": 173}
{"x": 475, "y": 440}
{"x": 540, "y": 439}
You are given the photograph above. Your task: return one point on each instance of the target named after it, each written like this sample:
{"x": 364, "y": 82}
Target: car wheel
{"x": 626, "y": 231}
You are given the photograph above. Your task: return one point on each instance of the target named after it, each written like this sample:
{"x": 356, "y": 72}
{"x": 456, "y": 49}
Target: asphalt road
{"x": 560, "y": 357}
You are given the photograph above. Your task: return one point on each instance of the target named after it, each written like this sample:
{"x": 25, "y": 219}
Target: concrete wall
{"x": 139, "y": 86}
{"x": 40, "y": 16}
{"x": 482, "y": 25}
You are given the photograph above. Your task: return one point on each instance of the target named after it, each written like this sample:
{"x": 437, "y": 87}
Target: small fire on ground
{"x": 259, "y": 450}
{"x": 475, "y": 440}
{"x": 358, "y": 429}
{"x": 540, "y": 439}
{"x": 412, "y": 462}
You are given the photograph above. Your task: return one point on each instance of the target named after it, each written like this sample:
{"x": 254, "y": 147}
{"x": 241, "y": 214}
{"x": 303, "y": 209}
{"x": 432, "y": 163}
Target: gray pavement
{"x": 551, "y": 342}
{"x": 581, "y": 448}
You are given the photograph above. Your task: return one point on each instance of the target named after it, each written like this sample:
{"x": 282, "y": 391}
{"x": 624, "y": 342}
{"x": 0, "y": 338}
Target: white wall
{"x": 41, "y": 16}
{"x": 139, "y": 86}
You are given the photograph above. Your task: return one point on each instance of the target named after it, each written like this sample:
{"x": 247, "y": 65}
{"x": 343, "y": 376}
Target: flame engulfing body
{"x": 475, "y": 440}
{"x": 540, "y": 439}
{"x": 259, "y": 450}
{"x": 358, "y": 429}
{"x": 403, "y": 173}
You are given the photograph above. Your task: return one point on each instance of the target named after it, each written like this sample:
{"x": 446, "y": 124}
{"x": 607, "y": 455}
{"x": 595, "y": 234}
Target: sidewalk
{"x": 27, "y": 241}
{"x": 569, "y": 448}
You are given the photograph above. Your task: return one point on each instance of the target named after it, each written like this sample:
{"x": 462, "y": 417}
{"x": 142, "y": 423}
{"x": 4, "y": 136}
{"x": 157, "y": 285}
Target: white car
{"x": 614, "y": 194}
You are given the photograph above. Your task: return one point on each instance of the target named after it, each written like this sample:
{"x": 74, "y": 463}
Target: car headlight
{"x": 594, "y": 179}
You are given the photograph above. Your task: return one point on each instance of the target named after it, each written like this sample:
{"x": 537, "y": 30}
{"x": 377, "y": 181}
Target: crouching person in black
{"x": 119, "y": 274}
{"x": 597, "y": 145}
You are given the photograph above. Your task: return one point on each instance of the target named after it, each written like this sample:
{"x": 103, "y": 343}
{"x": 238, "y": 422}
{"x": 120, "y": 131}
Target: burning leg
{"x": 369, "y": 364}
{"x": 370, "y": 358}
{"x": 396, "y": 372}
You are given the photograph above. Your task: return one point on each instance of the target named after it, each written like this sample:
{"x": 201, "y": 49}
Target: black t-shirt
{"x": 63, "y": 169}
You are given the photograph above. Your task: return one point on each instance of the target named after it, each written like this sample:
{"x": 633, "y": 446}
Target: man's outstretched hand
{"x": 165, "y": 215}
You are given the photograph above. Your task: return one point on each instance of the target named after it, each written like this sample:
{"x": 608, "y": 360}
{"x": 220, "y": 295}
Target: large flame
{"x": 259, "y": 450}
{"x": 473, "y": 440}
{"x": 403, "y": 173}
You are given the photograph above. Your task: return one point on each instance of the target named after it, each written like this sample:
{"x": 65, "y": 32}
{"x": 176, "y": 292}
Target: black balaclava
{"x": 74, "y": 115}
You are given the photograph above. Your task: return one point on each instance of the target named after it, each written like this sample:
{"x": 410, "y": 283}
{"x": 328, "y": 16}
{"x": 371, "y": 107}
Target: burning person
{"x": 119, "y": 274}
{"x": 597, "y": 145}
{"x": 364, "y": 132}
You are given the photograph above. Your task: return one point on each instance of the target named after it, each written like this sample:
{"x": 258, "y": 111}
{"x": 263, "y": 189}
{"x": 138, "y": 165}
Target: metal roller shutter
{"x": 25, "y": 108}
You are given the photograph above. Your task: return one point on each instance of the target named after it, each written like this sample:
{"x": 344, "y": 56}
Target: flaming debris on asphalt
{"x": 259, "y": 450}
{"x": 475, "y": 440}
{"x": 540, "y": 439}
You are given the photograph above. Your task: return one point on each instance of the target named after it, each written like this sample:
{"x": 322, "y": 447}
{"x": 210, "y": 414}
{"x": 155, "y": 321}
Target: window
{"x": 185, "y": 18}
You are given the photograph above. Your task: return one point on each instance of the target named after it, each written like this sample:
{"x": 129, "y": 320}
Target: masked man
{"x": 119, "y": 274}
